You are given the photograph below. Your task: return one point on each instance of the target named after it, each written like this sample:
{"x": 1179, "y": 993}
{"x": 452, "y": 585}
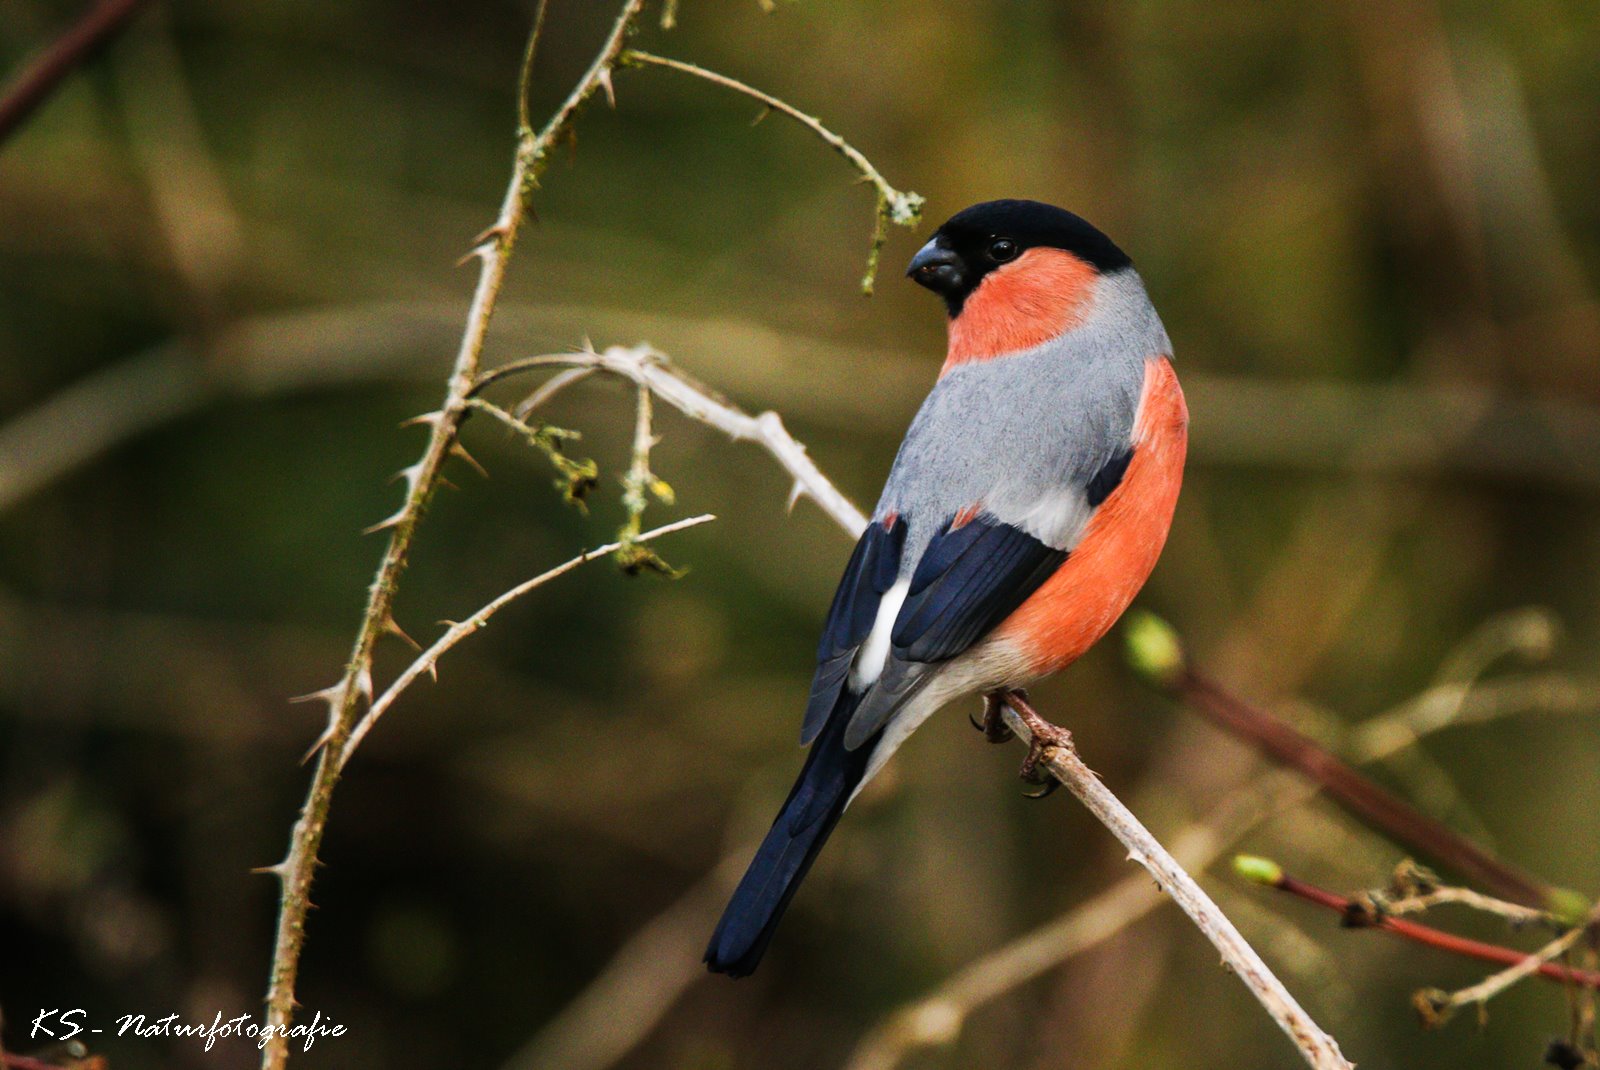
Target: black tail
{"x": 815, "y": 803}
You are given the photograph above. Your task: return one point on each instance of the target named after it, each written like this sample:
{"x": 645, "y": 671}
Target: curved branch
{"x": 346, "y": 697}
{"x": 1057, "y": 755}
{"x": 652, "y": 370}
{"x": 902, "y": 208}
{"x": 428, "y": 660}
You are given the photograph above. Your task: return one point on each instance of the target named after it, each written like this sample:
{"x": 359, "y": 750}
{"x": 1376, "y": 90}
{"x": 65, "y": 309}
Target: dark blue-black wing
{"x": 969, "y": 579}
{"x": 871, "y": 571}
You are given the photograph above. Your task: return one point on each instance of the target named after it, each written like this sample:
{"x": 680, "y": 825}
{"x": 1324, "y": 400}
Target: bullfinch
{"x": 1027, "y": 506}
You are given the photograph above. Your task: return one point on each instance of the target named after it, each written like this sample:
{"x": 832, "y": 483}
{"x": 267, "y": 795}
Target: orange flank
{"x": 1024, "y": 303}
{"x": 1079, "y": 604}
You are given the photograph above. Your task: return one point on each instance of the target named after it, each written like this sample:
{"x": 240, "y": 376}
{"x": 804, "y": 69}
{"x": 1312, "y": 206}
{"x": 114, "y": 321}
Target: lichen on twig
{"x": 576, "y": 478}
{"x": 639, "y": 485}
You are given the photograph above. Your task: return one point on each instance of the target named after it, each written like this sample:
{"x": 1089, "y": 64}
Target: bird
{"x": 1027, "y": 505}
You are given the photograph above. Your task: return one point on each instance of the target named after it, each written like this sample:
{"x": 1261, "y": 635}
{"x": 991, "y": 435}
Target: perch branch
{"x": 428, "y": 660}
{"x": 33, "y": 85}
{"x": 650, "y": 369}
{"x": 1357, "y": 915}
{"x": 345, "y": 698}
{"x": 1061, "y": 761}
{"x": 893, "y": 206}
{"x": 937, "y": 1018}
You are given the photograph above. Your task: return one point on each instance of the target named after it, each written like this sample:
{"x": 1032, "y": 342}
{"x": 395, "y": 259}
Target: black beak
{"x": 938, "y": 268}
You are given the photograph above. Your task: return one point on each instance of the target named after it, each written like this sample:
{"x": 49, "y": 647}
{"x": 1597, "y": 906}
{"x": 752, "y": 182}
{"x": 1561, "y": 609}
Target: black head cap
{"x": 979, "y": 239}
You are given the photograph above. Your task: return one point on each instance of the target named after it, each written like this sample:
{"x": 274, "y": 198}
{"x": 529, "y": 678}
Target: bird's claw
{"x": 1046, "y": 786}
{"x": 992, "y": 723}
{"x": 1045, "y": 736}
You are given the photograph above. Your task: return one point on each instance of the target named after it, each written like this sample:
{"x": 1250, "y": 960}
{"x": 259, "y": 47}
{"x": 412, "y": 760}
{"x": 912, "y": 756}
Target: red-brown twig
{"x": 1381, "y": 809}
{"x": 33, "y": 85}
{"x": 1357, "y": 916}
{"x": 8, "y": 1061}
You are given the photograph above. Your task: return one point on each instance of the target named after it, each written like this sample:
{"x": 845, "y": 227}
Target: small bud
{"x": 1258, "y": 870}
{"x": 1154, "y": 650}
{"x": 1567, "y": 906}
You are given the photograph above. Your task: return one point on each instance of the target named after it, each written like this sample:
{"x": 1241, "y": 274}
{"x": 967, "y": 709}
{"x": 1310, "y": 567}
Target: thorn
{"x": 391, "y": 521}
{"x": 392, "y": 627}
{"x": 493, "y": 232}
{"x": 411, "y": 473}
{"x": 330, "y": 695}
{"x": 430, "y": 418}
{"x": 458, "y": 450}
{"x": 364, "y": 683}
{"x": 443, "y": 482}
{"x": 320, "y": 742}
{"x": 604, "y": 78}
{"x": 280, "y": 870}
{"x": 796, "y": 492}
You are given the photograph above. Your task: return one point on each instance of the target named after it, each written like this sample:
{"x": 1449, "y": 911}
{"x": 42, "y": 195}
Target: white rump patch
{"x": 870, "y": 659}
{"x": 1056, "y": 519}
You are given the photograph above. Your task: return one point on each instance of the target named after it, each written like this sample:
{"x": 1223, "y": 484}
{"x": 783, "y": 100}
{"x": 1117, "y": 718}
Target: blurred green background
{"x": 227, "y": 254}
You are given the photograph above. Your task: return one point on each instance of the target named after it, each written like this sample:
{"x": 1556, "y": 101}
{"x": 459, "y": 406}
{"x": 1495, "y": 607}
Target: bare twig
{"x": 1449, "y": 895}
{"x": 938, "y": 1017}
{"x": 1359, "y": 795}
{"x": 345, "y": 698}
{"x": 894, "y": 206}
{"x": 651, "y": 369}
{"x": 1061, "y": 760}
{"x": 1436, "y": 1006}
{"x": 427, "y": 661}
{"x": 1414, "y": 889}
{"x": 1166, "y": 665}
{"x": 32, "y": 85}
{"x": 1357, "y": 915}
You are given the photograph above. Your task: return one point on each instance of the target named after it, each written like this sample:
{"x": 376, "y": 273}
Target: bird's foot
{"x": 992, "y": 724}
{"x": 1045, "y": 737}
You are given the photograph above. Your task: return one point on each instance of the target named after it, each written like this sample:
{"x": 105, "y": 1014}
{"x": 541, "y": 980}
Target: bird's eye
{"x": 1002, "y": 249}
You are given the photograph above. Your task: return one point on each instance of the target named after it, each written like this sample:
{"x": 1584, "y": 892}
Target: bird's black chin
{"x": 941, "y": 270}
